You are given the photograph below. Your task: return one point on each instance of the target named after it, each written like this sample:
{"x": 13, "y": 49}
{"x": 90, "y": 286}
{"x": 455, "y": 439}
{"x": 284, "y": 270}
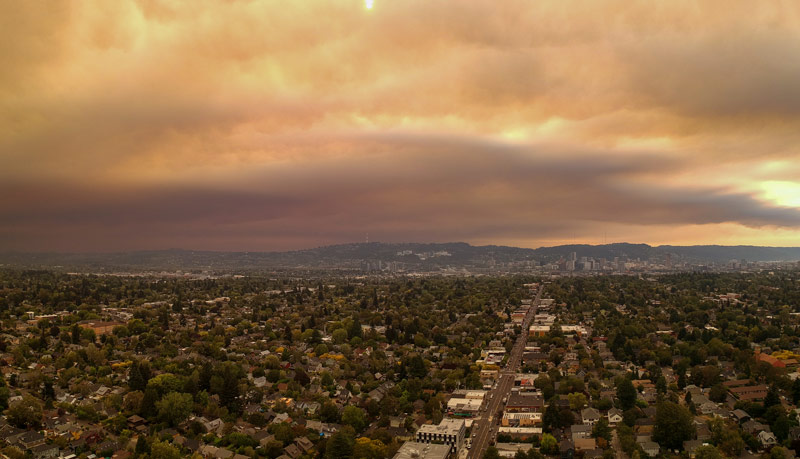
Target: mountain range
{"x": 409, "y": 255}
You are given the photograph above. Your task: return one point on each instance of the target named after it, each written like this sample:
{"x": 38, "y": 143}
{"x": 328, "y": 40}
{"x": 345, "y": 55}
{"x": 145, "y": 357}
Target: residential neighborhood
{"x": 250, "y": 367}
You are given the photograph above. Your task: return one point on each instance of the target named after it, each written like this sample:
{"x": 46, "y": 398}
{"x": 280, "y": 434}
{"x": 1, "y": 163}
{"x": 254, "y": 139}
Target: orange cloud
{"x": 424, "y": 120}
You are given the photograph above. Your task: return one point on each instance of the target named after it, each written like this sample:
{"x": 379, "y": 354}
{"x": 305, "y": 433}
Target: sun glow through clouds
{"x": 368, "y": 4}
{"x": 783, "y": 193}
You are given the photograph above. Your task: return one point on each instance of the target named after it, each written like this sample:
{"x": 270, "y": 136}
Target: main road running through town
{"x": 485, "y": 428}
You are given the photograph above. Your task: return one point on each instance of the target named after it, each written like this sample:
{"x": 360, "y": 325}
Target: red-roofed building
{"x": 770, "y": 360}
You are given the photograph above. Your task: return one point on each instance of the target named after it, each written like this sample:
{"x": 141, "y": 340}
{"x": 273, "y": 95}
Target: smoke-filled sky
{"x": 273, "y": 125}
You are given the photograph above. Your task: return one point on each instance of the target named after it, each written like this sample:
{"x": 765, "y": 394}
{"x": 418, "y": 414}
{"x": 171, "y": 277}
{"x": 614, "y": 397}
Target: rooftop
{"x": 414, "y": 450}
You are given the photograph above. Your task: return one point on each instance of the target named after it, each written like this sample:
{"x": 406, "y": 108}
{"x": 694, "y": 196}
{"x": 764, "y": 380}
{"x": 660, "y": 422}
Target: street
{"x": 485, "y": 429}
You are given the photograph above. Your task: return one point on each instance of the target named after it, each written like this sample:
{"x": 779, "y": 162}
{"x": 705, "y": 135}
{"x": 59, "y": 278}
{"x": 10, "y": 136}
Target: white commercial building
{"x": 416, "y": 450}
{"x": 449, "y": 432}
{"x": 464, "y": 406}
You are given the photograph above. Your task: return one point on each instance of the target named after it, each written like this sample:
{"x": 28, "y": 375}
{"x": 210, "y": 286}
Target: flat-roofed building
{"x": 749, "y": 393}
{"x": 474, "y": 394}
{"x": 416, "y": 450}
{"x": 520, "y": 432}
{"x": 464, "y": 406}
{"x": 538, "y": 330}
{"x": 525, "y": 402}
{"x": 521, "y": 419}
{"x": 448, "y": 432}
{"x": 579, "y": 330}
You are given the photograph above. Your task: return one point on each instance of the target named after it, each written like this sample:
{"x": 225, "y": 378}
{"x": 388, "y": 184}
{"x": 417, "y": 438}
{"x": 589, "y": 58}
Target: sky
{"x": 279, "y": 125}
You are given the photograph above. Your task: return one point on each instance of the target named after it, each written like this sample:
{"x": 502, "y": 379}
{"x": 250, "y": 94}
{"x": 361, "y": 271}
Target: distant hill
{"x": 410, "y": 255}
{"x": 722, "y": 253}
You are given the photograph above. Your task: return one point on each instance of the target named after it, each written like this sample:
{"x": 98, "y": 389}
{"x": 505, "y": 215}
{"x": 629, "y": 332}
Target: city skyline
{"x": 268, "y": 125}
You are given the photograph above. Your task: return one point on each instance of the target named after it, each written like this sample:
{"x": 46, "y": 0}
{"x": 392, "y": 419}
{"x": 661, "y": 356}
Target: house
{"x": 690, "y": 446}
{"x": 10, "y": 434}
{"x": 650, "y": 447}
{"x": 614, "y": 416}
{"x": 767, "y": 439}
{"x": 192, "y": 444}
{"x": 585, "y": 444}
{"x": 794, "y": 435}
{"x": 213, "y": 452}
{"x": 292, "y": 451}
{"x": 108, "y": 445}
{"x": 304, "y": 444}
{"x": 707, "y": 408}
{"x": 567, "y": 449}
{"x": 794, "y": 438}
{"x": 136, "y": 421}
{"x": 30, "y": 439}
{"x": 215, "y": 425}
{"x": 580, "y": 431}
{"x": 590, "y": 416}
{"x": 43, "y": 451}
{"x": 753, "y": 427}
{"x": 703, "y": 432}
{"x": 324, "y": 429}
{"x": 740, "y": 416}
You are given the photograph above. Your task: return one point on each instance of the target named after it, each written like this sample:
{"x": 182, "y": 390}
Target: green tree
{"x": 12, "y": 452}
{"x": 416, "y": 367}
{"x": 163, "y": 450}
{"x": 26, "y": 413}
{"x": 707, "y": 452}
{"x": 626, "y": 394}
{"x": 725, "y": 438}
{"x": 273, "y": 448}
{"x": 577, "y": 401}
{"x": 781, "y": 427}
{"x": 718, "y": 393}
{"x": 491, "y": 453}
{"x": 354, "y": 417}
{"x": 283, "y": 432}
{"x": 551, "y": 419}
{"x": 148, "y": 406}
{"x": 661, "y": 385}
{"x": 231, "y": 373}
{"x": 340, "y": 445}
{"x": 175, "y": 407}
{"x": 339, "y": 336}
{"x": 602, "y": 430}
{"x": 366, "y": 448}
{"x": 796, "y": 391}
{"x": 355, "y": 328}
{"x": 545, "y": 384}
{"x": 329, "y": 412}
{"x": 177, "y": 306}
{"x": 136, "y": 380}
{"x": 772, "y": 398}
{"x": 673, "y": 425}
{"x": 142, "y": 446}
{"x": 5, "y": 393}
{"x": 549, "y": 444}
